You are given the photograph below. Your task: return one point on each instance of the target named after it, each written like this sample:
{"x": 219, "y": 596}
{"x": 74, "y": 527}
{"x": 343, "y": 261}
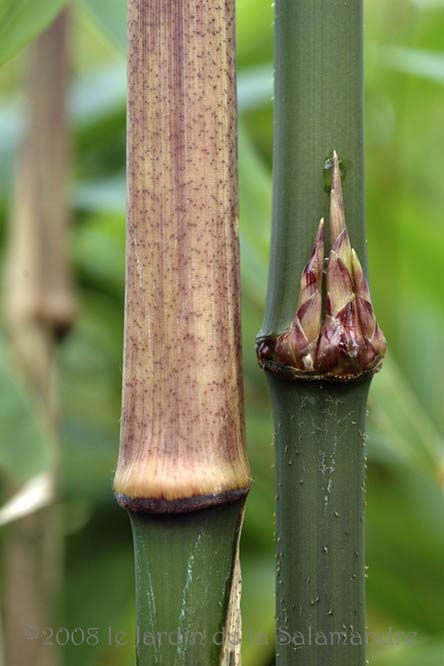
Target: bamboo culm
{"x": 183, "y": 473}
{"x": 319, "y": 343}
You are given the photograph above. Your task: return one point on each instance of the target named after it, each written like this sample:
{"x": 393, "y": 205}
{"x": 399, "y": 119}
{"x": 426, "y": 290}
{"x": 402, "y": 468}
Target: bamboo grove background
{"x": 404, "y": 75}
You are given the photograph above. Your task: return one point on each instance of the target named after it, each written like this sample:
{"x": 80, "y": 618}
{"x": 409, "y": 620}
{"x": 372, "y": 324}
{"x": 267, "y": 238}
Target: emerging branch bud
{"x": 348, "y": 343}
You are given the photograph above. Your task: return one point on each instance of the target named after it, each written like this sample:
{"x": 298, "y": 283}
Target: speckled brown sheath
{"x": 182, "y": 433}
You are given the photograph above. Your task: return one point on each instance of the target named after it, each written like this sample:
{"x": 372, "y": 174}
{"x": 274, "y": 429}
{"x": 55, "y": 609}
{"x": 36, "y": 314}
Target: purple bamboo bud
{"x": 349, "y": 342}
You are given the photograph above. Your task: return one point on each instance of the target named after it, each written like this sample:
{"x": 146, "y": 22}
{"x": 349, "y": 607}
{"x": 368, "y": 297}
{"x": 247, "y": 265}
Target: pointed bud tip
{"x": 337, "y": 216}
{"x": 336, "y": 178}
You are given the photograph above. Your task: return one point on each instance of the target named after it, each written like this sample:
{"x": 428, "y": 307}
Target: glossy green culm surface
{"x": 183, "y": 571}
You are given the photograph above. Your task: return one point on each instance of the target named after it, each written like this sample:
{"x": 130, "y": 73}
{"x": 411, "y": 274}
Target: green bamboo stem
{"x": 318, "y": 108}
{"x": 182, "y": 611}
{"x": 319, "y": 386}
{"x": 320, "y": 551}
{"x": 183, "y": 473}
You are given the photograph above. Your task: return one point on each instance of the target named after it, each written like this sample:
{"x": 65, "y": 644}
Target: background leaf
{"x": 21, "y": 20}
{"x": 111, "y": 18}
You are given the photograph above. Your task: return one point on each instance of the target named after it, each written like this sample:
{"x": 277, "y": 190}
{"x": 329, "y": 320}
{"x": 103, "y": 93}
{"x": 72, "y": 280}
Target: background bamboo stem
{"x": 39, "y": 306}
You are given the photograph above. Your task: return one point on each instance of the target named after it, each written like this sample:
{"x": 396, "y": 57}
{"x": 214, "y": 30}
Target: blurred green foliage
{"x": 405, "y": 209}
{"x": 21, "y": 20}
